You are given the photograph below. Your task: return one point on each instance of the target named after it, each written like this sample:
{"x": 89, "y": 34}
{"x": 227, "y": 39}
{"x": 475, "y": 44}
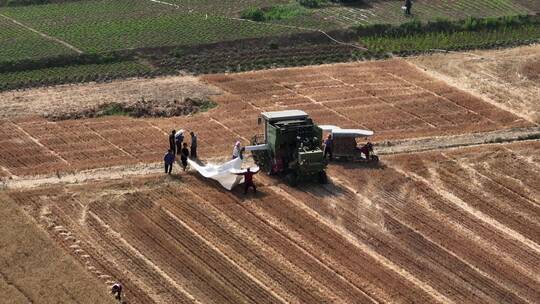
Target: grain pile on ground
{"x": 71, "y": 100}
{"x": 506, "y": 78}
{"x": 414, "y": 230}
{"x": 33, "y": 269}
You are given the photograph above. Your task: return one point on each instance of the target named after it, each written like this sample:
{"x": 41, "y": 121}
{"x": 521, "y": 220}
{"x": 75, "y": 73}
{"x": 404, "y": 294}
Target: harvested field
{"x": 391, "y": 97}
{"x": 33, "y": 269}
{"x": 415, "y": 229}
{"x": 66, "y": 99}
{"x": 506, "y": 78}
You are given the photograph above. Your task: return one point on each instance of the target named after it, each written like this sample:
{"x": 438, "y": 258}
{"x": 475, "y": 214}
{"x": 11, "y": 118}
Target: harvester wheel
{"x": 375, "y": 158}
{"x": 291, "y": 179}
{"x": 323, "y": 178}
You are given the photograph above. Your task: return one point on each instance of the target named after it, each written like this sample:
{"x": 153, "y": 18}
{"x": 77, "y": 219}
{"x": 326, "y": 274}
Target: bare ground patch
{"x": 507, "y": 78}
{"x": 64, "y": 101}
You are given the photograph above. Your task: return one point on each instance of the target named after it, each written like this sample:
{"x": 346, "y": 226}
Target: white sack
{"x": 222, "y": 173}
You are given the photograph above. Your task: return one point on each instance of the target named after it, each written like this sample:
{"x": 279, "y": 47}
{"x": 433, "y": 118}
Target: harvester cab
{"x": 292, "y": 146}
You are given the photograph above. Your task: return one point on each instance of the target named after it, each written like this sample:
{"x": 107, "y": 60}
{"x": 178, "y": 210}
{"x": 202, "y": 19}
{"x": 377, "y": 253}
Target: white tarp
{"x": 222, "y": 173}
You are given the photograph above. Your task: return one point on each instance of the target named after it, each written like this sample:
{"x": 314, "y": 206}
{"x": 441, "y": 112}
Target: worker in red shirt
{"x": 248, "y": 180}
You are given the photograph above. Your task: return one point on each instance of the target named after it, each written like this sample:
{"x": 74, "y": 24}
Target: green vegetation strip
{"x": 71, "y": 74}
{"x": 471, "y": 33}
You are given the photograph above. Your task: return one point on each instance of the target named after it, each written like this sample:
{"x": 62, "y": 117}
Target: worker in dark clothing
{"x": 184, "y": 156}
{"x": 248, "y": 180}
{"x": 193, "y": 145}
{"x": 179, "y": 139}
{"x": 408, "y": 6}
{"x": 116, "y": 290}
{"x": 366, "y": 149}
{"x": 328, "y": 147}
{"x": 172, "y": 141}
{"x": 169, "y": 161}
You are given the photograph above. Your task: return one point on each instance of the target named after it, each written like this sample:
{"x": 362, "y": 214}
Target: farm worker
{"x": 237, "y": 150}
{"x": 248, "y": 180}
{"x": 408, "y": 6}
{"x": 116, "y": 290}
{"x": 179, "y": 139}
{"x": 328, "y": 146}
{"x": 193, "y": 144}
{"x": 169, "y": 161}
{"x": 172, "y": 141}
{"x": 366, "y": 149}
{"x": 184, "y": 156}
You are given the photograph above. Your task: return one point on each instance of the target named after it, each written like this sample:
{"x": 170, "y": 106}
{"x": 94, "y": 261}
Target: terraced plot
{"x": 414, "y": 229}
{"x": 392, "y": 97}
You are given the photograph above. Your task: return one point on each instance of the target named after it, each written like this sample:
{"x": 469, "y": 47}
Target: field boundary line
{"x": 166, "y": 3}
{"x": 6, "y": 170}
{"x": 365, "y": 248}
{"x": 471, "y": 169}
{"x": 5, "y": 278}
{"x": 302, "y": 248}
{"x": 322, "y": 103}
{"x": 244, "y": 232}
{"x": 228, "y": 129}
{"x": 227, "y": 258}
{"x": 471, "y": 90}
{"x": 423, "y": 144}
{"x": 35, "y": 140}
{"x": 278, "y": 25}
{"x": 481, "y": 216}
{"x": 364, "y": 198}
{"x": 88, "y": 126}
{"x": 48, "y": 37}
{"x": 138, "y": 254}
{"x": 448, "y": 99}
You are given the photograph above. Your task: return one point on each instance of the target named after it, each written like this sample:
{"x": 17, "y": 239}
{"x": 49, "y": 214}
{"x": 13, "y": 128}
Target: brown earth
{"x": 506, "y": 78}
{"x": 391, "y": 97}
{"x": 33, "y": 269}
{"x": 68, "y": 100}
{"x": 457, "y": 226}
{"x": 445, "y": 226}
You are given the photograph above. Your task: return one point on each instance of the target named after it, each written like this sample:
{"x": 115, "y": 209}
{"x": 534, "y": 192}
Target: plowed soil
{"x": 451, "y": 225}
{"x": 459, "y": 226}
{"x": 506, "y": 78}
{"x": 392, "y": 97}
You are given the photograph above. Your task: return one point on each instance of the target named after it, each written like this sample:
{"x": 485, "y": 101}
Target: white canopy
{"x": 351, "y": 132}
{"x": 328, "y": 128}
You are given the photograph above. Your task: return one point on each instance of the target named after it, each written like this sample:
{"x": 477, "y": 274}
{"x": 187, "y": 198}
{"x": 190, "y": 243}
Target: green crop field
{"x": 106, "y": 25}
{"x": 137, "y": 27}
{"x": 451, "y": 41}
{"x": 72, "y": 73}
{"x": 424, "y": 10}
{"x": 16, "y": 43}
{"x": 127, "y": 24}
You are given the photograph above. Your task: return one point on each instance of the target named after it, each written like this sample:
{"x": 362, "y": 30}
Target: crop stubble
{"x": 375, "y": 234}
{"x": 391, "y": 97}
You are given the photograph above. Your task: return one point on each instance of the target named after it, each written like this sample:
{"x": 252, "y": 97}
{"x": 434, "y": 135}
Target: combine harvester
{"x": 291, "y": 146}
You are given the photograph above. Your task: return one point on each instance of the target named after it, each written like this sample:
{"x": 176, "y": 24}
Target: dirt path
{"x": 505, "y": 78}
{"x": 69, "y": 46}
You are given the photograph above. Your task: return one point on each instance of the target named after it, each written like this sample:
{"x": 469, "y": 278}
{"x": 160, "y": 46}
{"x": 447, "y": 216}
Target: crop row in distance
{"x": 423, "y": 42}
{"x": 72, "y": 74}
{"x": 96, "y": 26}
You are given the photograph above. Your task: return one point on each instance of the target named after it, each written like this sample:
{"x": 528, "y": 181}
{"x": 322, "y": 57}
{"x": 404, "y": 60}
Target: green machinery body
{"x": 293, "y": 146}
